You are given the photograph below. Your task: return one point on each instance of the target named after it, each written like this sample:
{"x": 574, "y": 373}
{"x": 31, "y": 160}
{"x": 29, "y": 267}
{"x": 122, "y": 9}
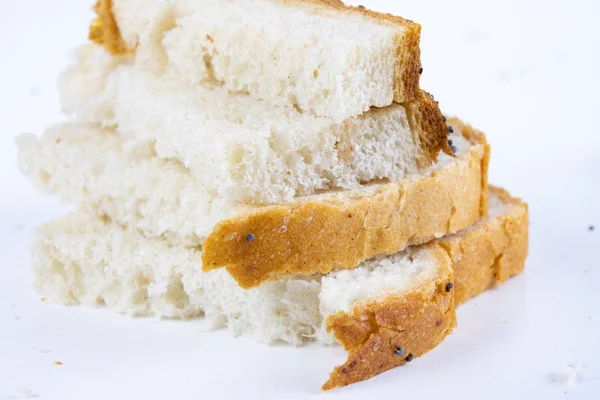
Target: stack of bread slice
{"x": 274, "y": 167}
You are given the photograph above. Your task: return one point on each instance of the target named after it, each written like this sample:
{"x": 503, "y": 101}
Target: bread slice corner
{"x": 392, "y": 330}
{"x": 104, "y": 30}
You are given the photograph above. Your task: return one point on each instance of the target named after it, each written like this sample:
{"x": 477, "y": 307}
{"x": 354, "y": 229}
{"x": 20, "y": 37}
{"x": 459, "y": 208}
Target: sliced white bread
{"x": 127, "y": 182}
{"x": 318, "y": 55}
{"x": 244, "y": 149}
{"x": 403, "y": 301}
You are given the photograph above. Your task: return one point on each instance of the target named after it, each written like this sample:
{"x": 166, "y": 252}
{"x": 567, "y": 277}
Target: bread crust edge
{"x": 429, "y": 128}
{"x": 475, "y": 260}
{"x": 320, "y": 235}
{"x": 385, "y": 333}
{"x": 104, "y": 30}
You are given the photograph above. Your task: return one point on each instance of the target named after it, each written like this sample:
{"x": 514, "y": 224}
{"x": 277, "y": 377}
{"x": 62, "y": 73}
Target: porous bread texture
{"x": 320, "y": 56}
{"x": 80, "y": 257}
{"x": 126, "y": 181}
{"x": 245, "y": 150}
{"x": 84, "y": 86}
{"x": 94, "y": 167}
{"x": 339, "y": 230}
{"x": 83, "y": 259}
{"x": 400, "y": 301}
{"x": 241, "y": 149}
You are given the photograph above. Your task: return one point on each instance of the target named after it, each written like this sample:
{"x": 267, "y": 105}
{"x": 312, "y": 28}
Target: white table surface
{"x": 525, "y": 72}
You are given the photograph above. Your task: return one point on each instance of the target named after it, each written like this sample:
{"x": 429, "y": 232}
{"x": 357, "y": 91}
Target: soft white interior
{"x": 86, "y": 164}
{"x": 385, "y": 275}
{"x": 82, "y": 259}
{"x": 242, "y": 149}
{"x": 326, "y": 62}
{"x": 496, "y": 206}
{"x": 125, "y": 180}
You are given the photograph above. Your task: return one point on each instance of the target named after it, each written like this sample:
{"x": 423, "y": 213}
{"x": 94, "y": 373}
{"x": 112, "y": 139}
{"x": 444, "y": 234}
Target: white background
{"x": 525, "y": 72}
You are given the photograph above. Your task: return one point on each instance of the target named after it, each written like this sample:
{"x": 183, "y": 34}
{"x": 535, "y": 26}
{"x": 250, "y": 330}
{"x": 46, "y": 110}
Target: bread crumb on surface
{"x": 23, "y": 393}
{"x": 58, "y": 363}
{"x": 569, "y": 375}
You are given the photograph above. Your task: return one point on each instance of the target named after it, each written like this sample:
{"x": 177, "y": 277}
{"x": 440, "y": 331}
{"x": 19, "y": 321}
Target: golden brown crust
{"x": 492, "y": 251}
{"x": 428, "y": 126}
{"x": 338, "y": 231}
{"x": 104, "y": 29}
{"x": 475, "y": 136}
{"x": 408, "y": 67}
{"x": 415, "y": 322}
{"x": 407, "y": 70}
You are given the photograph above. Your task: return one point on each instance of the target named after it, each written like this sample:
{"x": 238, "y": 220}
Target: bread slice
{"x": 400, "y": 301}
{"x": 127, "y": 182}
{"x": 339, "y": 230}
{"x": 318, "y": 55}
{"x": 246, "y": 150}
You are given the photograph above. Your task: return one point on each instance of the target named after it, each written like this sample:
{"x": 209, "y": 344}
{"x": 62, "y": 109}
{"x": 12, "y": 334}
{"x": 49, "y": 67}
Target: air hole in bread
{"x": 176, "y": 294}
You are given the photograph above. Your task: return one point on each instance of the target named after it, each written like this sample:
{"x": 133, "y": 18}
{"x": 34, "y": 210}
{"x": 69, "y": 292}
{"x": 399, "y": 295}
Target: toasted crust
{"x": 492, "y": 251}
{"x": 415, "y": 322}
{"x": 104, "y": 29}
{"x": 407, "y": 70}
{"x": 428, "y": 126}
{"x": 339, "y": 230}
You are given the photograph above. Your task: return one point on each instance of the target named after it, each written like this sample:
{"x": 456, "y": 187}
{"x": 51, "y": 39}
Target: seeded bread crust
{"x": 492, "y": 251}
{"x": 338, "y": 232}
{"x": 474, "y": 260}
{"x": 407, "y": 70}
{"x": 415, "y": 323}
